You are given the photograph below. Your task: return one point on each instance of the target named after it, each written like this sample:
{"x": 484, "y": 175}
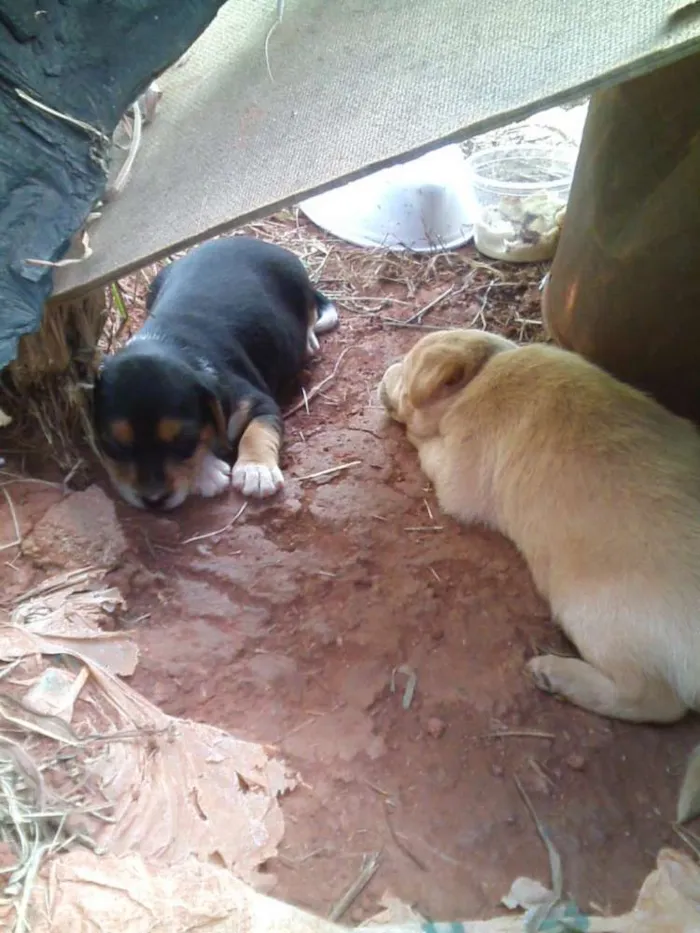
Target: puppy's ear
{"x": 219, "y": 420}
{"x": 212, "y": 409}
{"x": 445, "y": 366}
{"x": 439, "y": 373}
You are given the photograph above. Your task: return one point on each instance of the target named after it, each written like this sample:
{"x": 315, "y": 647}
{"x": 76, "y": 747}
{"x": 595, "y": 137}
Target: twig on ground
{"x": 148, "y": 542}
{"x": 555, "y": 868}
{"x": 418, "y": 316}
{"x": 16, "y": 478}
{"x": 319, "y": 270}
{"x": 478, "y": 316}
{"x": 18, "y": 534}
{"x": 399, "y": 842}
{"x": 541, "y": 773}
{"x": 293, "y": 862}
{"x": 486, "y": 295}
{"x": 219, "y": 531}
{"x": 330, "y": 471}
{"x": 295, "y": 729}
{"x": 70, "y": 474}
{"x": 370, "y": 864}
{"x": 392, "y": 322}
{"x": 304, "y": 403}
{"x": 520, "y": 734}
{"x": 377, "y": 789}
{"x": 478, "y": 264}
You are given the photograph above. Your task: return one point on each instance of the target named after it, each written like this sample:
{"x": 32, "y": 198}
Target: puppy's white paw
{"x": 213, "y": 477}
{"x": 257, "y": 479}
{"x": 543, "y": 671}
{"x": 312, "y": 344}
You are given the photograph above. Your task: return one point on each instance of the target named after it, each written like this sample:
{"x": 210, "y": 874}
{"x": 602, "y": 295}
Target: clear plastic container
{"x": 518, "y": 200}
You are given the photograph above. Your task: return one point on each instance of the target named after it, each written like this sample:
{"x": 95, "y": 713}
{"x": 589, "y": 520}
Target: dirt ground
{"x": 301, "y": 624}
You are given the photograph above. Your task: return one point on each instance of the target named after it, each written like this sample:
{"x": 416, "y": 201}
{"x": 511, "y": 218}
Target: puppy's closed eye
{"x": 181, "y": 439}
{"x": 168, "y": 429}
{"x": 117, "y": 440}
{"x": 121, "y": 431}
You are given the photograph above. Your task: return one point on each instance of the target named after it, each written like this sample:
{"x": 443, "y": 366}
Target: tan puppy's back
{"x": 599, "y": 487}
{"x": 601, "y": 463}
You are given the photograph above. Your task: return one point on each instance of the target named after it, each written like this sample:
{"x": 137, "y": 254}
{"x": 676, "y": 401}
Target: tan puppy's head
{"x": 417, "y": 391}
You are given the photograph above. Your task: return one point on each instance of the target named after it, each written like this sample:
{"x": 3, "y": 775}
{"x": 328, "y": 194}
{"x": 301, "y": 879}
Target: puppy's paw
{"x": 312, "y": 344}
{"x": 257, "y": 480}
{"x": 213, "y": 478}
{"x": 543, "y": 671}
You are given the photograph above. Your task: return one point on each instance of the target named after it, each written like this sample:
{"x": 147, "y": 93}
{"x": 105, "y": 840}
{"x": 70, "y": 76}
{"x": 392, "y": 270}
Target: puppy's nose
{"x": 155, "y": 500}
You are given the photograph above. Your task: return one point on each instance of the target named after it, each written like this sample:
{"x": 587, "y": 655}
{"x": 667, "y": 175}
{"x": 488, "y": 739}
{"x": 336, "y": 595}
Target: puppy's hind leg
{"x": 323, "y": 316}
{"x": 629, "y": 695}
{"x": 256, "y": 471}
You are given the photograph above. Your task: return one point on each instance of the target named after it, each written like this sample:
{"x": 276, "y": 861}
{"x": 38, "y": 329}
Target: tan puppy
{"x": 599, "y": 488}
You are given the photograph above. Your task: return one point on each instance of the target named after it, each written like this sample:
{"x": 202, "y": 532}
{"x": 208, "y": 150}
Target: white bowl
{"x": 421, "y": 205}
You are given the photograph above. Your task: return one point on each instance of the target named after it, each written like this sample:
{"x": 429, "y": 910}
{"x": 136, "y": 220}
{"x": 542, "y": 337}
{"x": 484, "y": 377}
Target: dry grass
{"x": 397, "y": 289}
{"x": 33, "y": 826}
{"x": 47, "y": 794}
{"x": 43, "y": 389}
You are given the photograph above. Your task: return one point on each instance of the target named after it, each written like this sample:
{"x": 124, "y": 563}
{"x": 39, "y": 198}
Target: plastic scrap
{"x": 411, "y": 683}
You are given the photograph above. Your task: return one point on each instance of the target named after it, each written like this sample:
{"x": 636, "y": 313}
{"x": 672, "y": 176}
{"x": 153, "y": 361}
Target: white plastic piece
{"x": 421, "y": 205}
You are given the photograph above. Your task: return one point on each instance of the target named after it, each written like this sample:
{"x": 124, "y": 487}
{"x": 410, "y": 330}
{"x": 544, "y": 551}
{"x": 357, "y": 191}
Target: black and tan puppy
{"x": 230, "y": 326}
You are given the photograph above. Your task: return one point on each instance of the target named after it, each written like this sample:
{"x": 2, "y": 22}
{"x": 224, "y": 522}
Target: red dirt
{"x": 285, "y": 629}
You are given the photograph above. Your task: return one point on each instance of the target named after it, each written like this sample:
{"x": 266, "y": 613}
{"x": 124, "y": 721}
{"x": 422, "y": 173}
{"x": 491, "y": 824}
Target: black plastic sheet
{"x": 88, "y": 60}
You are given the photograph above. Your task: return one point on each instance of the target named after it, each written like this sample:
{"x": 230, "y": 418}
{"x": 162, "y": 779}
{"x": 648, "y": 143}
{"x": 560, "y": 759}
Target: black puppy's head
{"x": 156, "y": 417}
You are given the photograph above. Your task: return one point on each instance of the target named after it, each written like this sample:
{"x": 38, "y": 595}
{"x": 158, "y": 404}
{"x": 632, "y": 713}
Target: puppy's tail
{"x": 326, "y": 314}
{"x": 689, "y": 798}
